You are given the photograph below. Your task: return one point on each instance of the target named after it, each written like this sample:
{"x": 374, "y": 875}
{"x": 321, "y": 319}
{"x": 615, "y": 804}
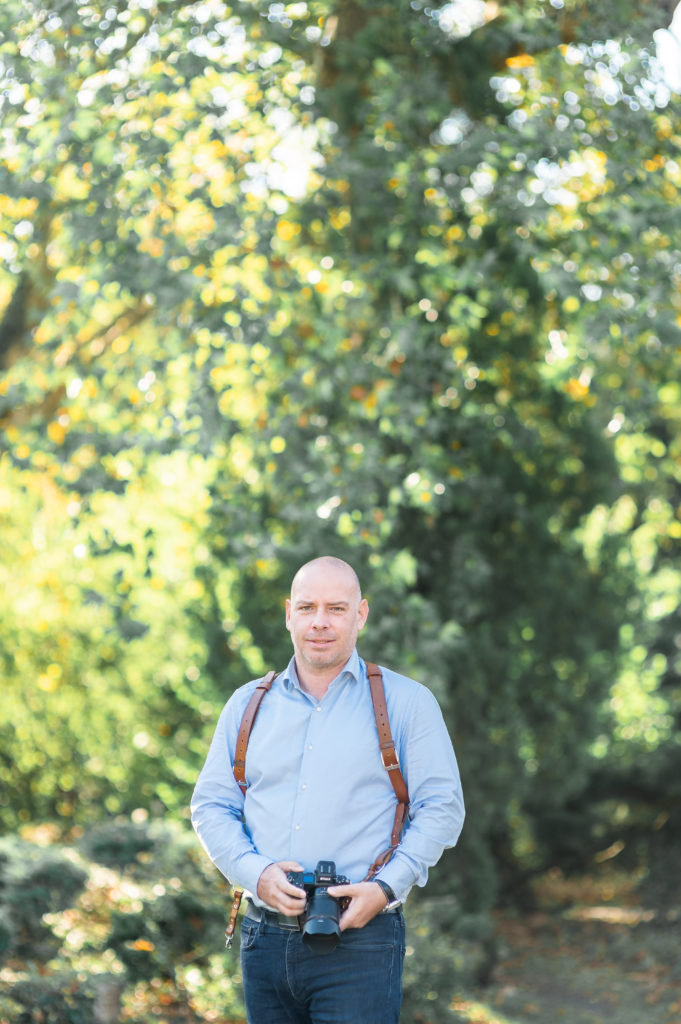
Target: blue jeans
{"x": 360, "y": 982}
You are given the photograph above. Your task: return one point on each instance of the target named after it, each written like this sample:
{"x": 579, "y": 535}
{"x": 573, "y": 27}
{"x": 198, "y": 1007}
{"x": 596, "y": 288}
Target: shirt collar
{"x": 352, "y": 669}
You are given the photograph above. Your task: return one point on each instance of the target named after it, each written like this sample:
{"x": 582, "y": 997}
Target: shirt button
{"x": 304, "y": 786}
{"x": 309, "y": 746}
{"x": 297, "y": 828}
{"x": 318, "y": 708}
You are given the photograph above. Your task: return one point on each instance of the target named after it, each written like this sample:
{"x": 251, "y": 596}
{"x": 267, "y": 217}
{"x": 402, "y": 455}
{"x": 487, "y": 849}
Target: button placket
{"x": 305, "y": 773}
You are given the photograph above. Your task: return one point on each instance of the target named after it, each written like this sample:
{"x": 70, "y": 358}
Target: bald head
{"x": 327, "y": 565}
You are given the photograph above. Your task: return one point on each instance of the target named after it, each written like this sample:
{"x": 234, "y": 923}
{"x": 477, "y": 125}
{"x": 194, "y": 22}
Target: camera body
{"x": 321, "y": 917}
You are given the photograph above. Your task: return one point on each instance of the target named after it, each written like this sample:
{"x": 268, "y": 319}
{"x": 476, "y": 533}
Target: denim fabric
{"x": 360, "y": 982}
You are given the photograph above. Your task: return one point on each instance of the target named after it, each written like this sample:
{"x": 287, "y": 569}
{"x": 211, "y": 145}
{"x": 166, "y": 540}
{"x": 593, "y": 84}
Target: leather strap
{"x": 391, "y": 763}
{"x": 239, "y": 766}
{"x": 239, "y": 770}
{"x": 233, "y": 914}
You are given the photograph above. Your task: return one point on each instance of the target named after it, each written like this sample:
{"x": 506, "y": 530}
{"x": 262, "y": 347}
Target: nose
{"x": 319, "y": 620}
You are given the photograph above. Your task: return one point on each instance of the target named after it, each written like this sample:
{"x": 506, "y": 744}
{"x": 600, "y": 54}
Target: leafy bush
{"x": 59, "y": 999}
{"x": 154, "y": 927}
{"x": 447, "y": 950}
{"x": 117, "y": 844}
{"x": 154, "y": 941}
{"x": 35, "y": 882}
{"x": 6, "y": 932}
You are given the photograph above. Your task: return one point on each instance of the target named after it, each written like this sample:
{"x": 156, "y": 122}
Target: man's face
{"x": 324, "y": 615}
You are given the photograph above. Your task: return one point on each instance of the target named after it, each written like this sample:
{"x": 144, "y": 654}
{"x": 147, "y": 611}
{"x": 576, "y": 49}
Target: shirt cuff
{"x": 249, "y": 870}
{"x": 395, "y": 879}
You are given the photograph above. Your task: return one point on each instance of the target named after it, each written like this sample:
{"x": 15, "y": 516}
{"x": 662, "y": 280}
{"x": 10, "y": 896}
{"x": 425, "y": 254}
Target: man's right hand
{"x": 277, "y": 892}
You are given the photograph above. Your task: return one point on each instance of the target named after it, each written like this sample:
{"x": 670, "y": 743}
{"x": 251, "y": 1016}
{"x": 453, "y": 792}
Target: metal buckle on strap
{"x": 393, "y": 765}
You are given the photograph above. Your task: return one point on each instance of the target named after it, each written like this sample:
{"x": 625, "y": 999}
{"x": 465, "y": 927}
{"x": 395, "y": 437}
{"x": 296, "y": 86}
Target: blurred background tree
{"x": 396, "y": 282}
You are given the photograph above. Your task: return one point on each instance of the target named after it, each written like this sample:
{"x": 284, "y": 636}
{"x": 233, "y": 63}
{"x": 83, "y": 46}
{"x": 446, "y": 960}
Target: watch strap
{"x": 391, "y": 899}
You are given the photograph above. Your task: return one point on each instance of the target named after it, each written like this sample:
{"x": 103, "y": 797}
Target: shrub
{"x": 59, "y": 999}
{"x": 6, "y": 933}
{"x": 167, "y": 930}
{"x": 447, "y": 950}
{"x": 117, "y": 844}
{"x": 34, "y": 883}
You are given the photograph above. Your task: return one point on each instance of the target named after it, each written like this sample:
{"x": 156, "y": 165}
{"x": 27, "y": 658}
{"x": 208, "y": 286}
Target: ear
{"x": 288, "y": 614}
{"x": 362, "y": 613}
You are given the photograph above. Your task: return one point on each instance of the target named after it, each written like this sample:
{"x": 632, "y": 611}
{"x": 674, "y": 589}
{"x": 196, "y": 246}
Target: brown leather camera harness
{"x": 389, "y": 757}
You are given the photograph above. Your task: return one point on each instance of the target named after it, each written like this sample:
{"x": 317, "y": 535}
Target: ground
{"x": 593, "y": 954}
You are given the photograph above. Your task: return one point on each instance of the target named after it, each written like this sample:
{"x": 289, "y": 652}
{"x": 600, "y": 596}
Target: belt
{"x": 282, "y": 920}
{"x": 272, "y": 917}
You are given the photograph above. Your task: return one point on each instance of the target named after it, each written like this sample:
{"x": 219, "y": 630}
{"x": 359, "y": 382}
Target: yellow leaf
{"x": 523, "y": 60}
{"x": 339, "y": 219}
{"x": 655, "y": 163}
{"x": 56, "y": 432}
{"x": 154, "y": 246}
{"x": 286, "y": 230}
{"x": 144, "y": 945}
{"x": 120, "y": 345}
{"x": 576, "y": 389}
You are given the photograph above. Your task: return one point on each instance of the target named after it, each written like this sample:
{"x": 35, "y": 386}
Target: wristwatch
{"x": 389, "y": 895}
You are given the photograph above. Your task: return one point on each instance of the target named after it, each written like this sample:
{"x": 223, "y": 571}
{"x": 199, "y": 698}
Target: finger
{"x": 290, "y": 906}
{"x": 344, "y": 890}
{"x": 293, "y": 891}
{"x": 351, "y": 918}
{"x": 287, "y": 902}
{"x": 290, "y": 865}
{"x": 285, "y": 884}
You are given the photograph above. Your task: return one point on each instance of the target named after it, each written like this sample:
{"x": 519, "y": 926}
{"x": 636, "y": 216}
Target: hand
{"x": 366, "y": 900}
{"x": 277, "y": 892}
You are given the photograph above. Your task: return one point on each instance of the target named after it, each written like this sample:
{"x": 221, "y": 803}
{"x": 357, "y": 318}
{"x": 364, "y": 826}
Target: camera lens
{"x": 321, "y": 931}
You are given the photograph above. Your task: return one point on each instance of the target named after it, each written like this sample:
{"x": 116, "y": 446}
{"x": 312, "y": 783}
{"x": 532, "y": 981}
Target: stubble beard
{"x": 319, "y": 658}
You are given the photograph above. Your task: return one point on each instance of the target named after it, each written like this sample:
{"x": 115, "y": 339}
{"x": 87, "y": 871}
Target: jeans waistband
{"x": 282, "y": 921}
{"x": 272, "y": 917}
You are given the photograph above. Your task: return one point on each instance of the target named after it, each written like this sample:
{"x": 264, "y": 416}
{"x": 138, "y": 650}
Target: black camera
{"x": 321, "y": 917}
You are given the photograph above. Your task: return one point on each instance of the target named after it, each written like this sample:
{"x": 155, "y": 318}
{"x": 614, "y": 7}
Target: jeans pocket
{"x": 249, "y": 933}
{"x": 380, "y": 935}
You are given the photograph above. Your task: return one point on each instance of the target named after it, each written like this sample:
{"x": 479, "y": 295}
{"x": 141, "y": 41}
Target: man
{"x": 317, "y": 790}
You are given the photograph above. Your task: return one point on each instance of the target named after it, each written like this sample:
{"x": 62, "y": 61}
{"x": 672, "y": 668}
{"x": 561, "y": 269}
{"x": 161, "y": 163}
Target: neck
{"x": 316, "y": 683}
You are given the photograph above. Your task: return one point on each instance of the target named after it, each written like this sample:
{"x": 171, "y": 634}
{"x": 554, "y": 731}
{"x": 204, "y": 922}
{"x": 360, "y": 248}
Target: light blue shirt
{"x": 316, "y": 785}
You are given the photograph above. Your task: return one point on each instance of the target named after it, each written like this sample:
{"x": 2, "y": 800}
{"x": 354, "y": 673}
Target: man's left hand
{"x": 366, "y": 900}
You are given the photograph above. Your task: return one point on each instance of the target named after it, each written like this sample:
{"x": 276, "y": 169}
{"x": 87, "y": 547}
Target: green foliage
{"x": 34, "y": 883}
{"x": 153, "y": 932}
{"x": 117, "y": 844}
{"x": 6, "y": 932}
{"x": 149, "y": 935}
{"x": 60, "y": 999}
{"x": 447, "y": 951}
{"x": 153, "y": 942}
